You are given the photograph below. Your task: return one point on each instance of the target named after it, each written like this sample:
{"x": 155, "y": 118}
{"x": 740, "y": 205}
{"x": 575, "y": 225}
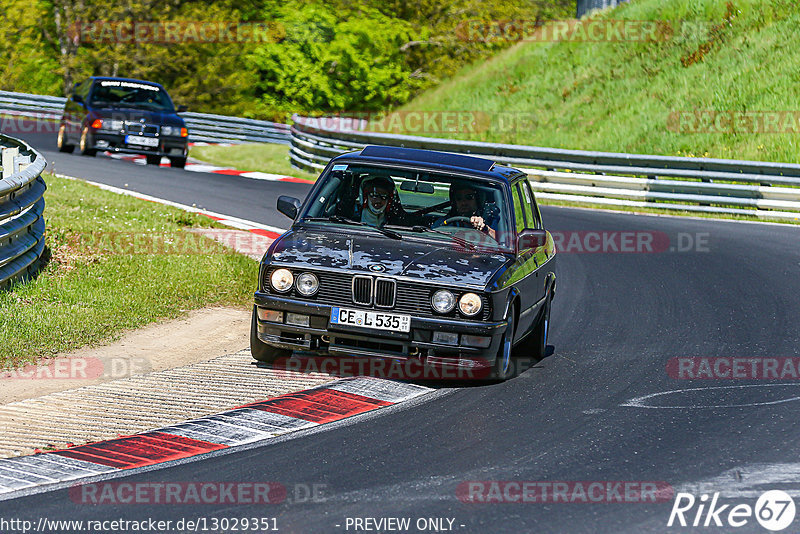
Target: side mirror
{"x": 182, "y": 108}
{"x": 77, "y": 98}
{"x": 289, "y": 206}
{"x": 530, "y": 238}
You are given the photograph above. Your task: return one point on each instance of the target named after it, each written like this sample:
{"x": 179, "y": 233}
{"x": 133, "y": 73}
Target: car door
{"x": 534, "y": 220}
{"x": 528, "y": 281}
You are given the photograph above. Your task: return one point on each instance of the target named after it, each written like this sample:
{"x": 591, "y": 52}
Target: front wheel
{"x": 260, "y": 350}
{"x": 503, "y": 366}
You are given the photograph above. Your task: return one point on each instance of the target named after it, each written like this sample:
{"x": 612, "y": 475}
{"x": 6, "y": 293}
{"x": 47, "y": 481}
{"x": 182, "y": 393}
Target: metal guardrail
{"x": 203, "y": 127}
{"x": 708, "y": 185}
{"x": 22, "y": 225}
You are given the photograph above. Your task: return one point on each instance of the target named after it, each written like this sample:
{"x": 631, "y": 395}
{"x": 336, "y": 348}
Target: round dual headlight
{"x": 307, "y": 284}
{"x": 470, "y": 304}
{"x": 281, "y": 280}
{"x": 169, "y": 130}
{"x": 443, "y": 301}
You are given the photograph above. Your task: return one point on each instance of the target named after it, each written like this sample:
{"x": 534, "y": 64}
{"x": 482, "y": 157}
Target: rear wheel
{"x": 178, "y": 163}
{"x": 153, "y": 160}
{"x": 260, "y": 350}
{"x": 535, "y": 345}
{"x": 85, "y": 145}
{"x": 63, "y": 146}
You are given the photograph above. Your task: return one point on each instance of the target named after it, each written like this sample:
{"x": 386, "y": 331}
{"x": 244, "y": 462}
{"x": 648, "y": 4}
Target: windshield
{"x": 440, "y": 206}
{"x": 114, "y": 93}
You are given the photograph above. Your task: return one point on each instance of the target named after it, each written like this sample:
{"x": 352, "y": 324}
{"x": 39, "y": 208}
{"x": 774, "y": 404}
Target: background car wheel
{"x": 535, "y": 345}
{"x": 260, "y": 350}
{"x": 504, "y": 368}
{"x": 178, "y": 163}
{"x": 62, "y": 140}
{"x": 85, "y": 144}
{"x": 153, "y": 160}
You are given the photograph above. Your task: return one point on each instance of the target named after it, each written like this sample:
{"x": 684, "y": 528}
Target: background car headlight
{"x": 169, "y": 130}
{"x": 470, "y": 304}
{"x": 115, "y": 125}
{"x": 443, "y": 301}
{"x": 307, "y": 284}
{"x": 282, "y": 280}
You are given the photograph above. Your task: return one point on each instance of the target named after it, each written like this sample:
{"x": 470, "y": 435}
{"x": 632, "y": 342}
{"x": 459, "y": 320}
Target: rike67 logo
{"x": 774, "y": 510}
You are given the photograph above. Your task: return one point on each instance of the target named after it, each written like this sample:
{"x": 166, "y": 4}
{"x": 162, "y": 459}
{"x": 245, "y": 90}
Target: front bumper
{"x": 322, "y": 337}
{"x": 115, "y": 142}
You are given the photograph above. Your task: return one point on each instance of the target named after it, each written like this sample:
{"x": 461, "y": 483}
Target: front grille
{"x": 138, "y": 128}
{"x": 384, "y": 292}
{"x": 362, "y": 290}
{"x": 412, "y": 298}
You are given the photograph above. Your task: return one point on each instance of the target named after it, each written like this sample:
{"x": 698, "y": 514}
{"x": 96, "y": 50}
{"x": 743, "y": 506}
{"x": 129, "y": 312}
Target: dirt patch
{"x": 202, "y": 335}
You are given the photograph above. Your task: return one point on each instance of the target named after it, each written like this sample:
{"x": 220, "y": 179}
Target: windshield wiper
{"x": 346, "y": 220}
{"x": 459, "y": 240}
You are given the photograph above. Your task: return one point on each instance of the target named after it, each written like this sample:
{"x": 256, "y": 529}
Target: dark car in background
{"x": 410, "y": 255}
{"x": 124, "y": 116}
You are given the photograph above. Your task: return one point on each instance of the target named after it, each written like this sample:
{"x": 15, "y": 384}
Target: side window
{"x": 519, "y": 210}
{"x": 533, "y": 215}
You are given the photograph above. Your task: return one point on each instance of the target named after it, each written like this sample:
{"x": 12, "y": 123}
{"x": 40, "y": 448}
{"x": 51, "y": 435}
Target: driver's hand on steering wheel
{"x": 479, "y": 224}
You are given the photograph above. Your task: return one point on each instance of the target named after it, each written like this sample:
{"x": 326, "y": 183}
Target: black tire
{"x": 534, "y": 346}
{"x": 504, "y": 367}
{"x": 178, "y": 163}
{"x": 85, "y": 144}
{"x": 63, "y": 146}
{"x": 153, "y": 160}
{"x": 260, "y": 350}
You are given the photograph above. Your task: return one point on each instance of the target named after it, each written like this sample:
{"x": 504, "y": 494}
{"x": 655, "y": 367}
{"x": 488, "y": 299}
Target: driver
{"x": 468, "y": 201}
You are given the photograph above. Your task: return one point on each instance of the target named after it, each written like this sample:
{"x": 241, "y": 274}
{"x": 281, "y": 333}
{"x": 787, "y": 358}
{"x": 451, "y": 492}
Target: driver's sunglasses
{"x": 467, "y": 196}
{"x": 376, "y": 196}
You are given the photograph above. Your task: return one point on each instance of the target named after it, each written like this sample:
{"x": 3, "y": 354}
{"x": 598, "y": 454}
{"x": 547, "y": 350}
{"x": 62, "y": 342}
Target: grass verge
{"x": 723, "y": 60}
{"x": 117, "y": 263}
{"x": 262, "y": 157}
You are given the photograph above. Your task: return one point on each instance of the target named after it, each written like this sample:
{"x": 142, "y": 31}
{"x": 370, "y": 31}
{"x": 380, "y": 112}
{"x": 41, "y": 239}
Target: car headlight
{"x": 307, "y": 284}
{"x": 282, "y": 280}
{"x": 115, "y": 125}
{"x": 169, "y": 130}
{"x": 470, "y": 304}
{"x": 443, "y": 301}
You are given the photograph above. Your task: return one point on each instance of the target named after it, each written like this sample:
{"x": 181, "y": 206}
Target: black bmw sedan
{"x": 123, "y": 115}
{"x": 410, "y": 255}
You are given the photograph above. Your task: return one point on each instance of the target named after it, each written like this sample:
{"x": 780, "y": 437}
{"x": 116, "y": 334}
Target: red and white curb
{"x": 203, "y": 167}
{"x": 258, "y": 421}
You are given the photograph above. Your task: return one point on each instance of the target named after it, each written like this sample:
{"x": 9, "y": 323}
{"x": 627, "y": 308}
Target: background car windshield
{"x": 131, "y": 95}
{"x": 416, "y": 198}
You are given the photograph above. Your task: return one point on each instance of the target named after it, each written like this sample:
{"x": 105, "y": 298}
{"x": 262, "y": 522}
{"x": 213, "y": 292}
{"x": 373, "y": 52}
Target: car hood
{"x": 432, "y": 262}
{"x": 135, "y": 115}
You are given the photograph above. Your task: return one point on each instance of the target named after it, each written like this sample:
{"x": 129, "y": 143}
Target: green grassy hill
{"x": 738, "y": 58}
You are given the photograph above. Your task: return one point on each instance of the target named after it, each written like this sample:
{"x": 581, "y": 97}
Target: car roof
{"x": 432, "y": 159}
{"x": 133, "y": 80}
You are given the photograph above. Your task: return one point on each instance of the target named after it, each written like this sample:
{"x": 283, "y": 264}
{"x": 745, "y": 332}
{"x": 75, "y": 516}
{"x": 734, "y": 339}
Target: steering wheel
{"x": 458, "y": 219}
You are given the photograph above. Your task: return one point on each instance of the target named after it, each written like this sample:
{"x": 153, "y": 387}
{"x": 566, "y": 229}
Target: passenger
{"x": 380, "y": 203}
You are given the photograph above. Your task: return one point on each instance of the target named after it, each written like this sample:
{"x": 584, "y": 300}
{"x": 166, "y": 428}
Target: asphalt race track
{"x": 717, "y": 289}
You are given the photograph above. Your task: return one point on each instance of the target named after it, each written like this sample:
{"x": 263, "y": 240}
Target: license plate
{"x": 143, "y": 141}
{"x": 370, "y": 319}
